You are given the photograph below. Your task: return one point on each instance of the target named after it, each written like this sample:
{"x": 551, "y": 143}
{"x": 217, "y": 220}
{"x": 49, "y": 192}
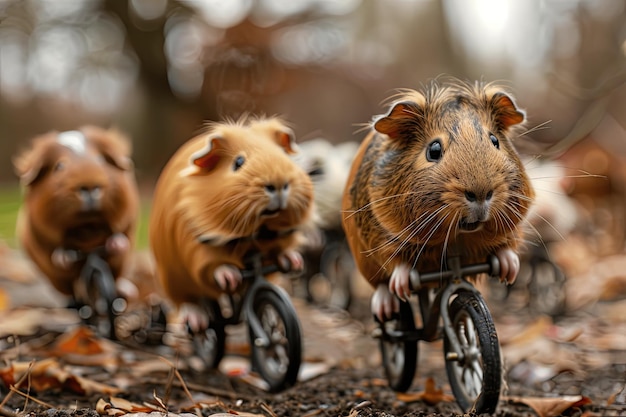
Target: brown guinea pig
{"x": 79, "y": 194}
{"x": 438, "y": 170}
{"x": 225, "y": 193}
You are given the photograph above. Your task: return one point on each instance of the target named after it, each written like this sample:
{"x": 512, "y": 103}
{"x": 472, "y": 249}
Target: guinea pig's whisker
{"x": 407, "y": 229}
{"x": 413, "y": 233}
{"x": 366, "y": 206}
{"x": 507, "y": 222}
{"x": 503, "y": 222}
{"x": 527, "y": 241}
{"x": 430, "y": 235}
{"x": 453, "y": 223}
{"x": 540, "y": 126}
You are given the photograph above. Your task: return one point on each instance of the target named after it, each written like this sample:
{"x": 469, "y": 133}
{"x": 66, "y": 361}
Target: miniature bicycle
{"x": 273, "y": 327}
{"x": 96, "y": 297}
{"x": 542, "y": 280}
{"x": 329, "y": 269}
{"x": 451, "y": 308}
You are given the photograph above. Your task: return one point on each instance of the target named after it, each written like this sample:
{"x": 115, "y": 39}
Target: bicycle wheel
{"x": 399, "y": 357}
{"x": 210, "y": 344}
{"x": 475, "y": 379}
{"x": 337, "y": 266}
{"x": 546, "y": 288}
{"x": 278, "y": 362}
{"x": 102, "y": 303}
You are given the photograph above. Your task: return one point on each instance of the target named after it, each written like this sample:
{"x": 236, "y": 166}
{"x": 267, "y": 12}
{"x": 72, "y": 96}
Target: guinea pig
{"x": 224, "y": 194}
{"x": 80, "y": 194}
{"x": 439, "y": 170}
{"x": 328, "y": 165}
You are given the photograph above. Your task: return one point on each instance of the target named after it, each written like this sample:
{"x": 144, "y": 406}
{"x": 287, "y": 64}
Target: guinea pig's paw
{"x": 291, "y": 260}
{"x": 509, "y": 265}
{"x": 228, "y": 277}
{"x": 194, "y": 316}
{"x": 64, "y": 258}
{"x": 126, "y": 288}
{"x": 399, "y": 282}
{"x": 117, "y": 243}
{"x": 188, "y": 318}
{"x": 384, "y": 303}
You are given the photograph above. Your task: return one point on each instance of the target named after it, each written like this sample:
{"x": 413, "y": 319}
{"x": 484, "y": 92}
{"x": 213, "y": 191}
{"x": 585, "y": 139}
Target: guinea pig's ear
{"x": 206, "y": 158}
{"x": 400, "y": 118}
{"x": 112, "y": 144}
{"x": 287, "y": 140}
{"x": 506, "y": 112}
{"x": 122, "y": 162}
{"x": 30, "y": 166}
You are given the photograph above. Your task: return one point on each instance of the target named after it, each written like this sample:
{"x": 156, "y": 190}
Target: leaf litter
{"x": 573, "y": 364}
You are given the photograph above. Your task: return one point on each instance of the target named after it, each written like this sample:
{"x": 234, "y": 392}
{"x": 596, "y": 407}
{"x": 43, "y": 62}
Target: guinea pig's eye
{"x": 238, "y": 162}
{"x": 434, "y": 151}
{"x": 58, "y": 166}
{"x": 494, "y": 140}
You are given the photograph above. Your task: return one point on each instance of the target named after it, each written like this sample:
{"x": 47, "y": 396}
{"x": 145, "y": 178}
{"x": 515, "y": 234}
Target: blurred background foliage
{"x": 158, "y": 69}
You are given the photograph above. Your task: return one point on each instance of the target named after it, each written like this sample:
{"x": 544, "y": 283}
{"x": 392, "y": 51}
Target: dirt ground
{"x": 570, "y": 364}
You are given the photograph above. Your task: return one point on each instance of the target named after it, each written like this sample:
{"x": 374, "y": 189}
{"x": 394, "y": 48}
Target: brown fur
{"x": 223, "y": 206}
{"x": 398, "y": 207}
{"x": 52, "y": 217}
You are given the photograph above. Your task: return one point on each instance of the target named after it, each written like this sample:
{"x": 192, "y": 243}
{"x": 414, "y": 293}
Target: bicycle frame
{"x": 255, "y": 281}
{"x": 449, "y": 281}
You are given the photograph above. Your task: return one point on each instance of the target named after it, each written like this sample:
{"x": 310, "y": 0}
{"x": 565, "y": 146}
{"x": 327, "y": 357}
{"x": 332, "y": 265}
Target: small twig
{"x": 183, "y": 385}
{"x": 168, "y": 385}
{"x": 28, "y": 396}
{"x": 7, "y": 412}
{"x": 18, "y": 383}
{"x": 231, "y": 395}
{"x": 267, "y": 409}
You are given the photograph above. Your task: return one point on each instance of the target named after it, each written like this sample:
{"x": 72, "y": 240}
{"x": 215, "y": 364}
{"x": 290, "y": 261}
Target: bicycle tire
{"x": 210, "y": 344}
{"x": 476, "y": 381}
{"x": 399, "y": 358}
{"x": 102, "y": 295}
{"x": 337, "y": 266}
{"x": 546, "y": 288}
{"x": 279, "y": 363}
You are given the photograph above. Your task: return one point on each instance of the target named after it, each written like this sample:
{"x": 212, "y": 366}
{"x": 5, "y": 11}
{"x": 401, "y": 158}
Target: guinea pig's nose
{"x": 278, "y": 194}
{"x": 90, "y": 197}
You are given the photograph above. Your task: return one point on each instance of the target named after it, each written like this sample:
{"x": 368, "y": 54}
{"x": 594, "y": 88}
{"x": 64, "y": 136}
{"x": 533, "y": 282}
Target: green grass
{"x": 11, "y": 200}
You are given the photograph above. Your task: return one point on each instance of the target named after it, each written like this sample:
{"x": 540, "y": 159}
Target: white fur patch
{"x": 74, "y": 140}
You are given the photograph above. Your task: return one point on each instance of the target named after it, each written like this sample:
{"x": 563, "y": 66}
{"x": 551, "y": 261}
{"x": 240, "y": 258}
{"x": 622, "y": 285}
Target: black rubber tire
{"x": 279, "y": 363}
{"x": 102, "y": 294}
{"x": 210, "y": 344}
{"x": 547, "y": 288}
{"x": 474, "y": 327}
{"x": 336, "y": 268}
{"x": 399, "y": 357}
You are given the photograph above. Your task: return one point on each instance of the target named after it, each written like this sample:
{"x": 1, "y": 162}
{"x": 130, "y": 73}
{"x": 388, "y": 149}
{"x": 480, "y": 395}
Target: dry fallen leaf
{"x": 81, "y": 341}
{"x": 82, "y": 347}
{"x": 49, "y": 374}
{"x": 431, "y": 394}
{"x": 120, "y": 406}
{"x": 551, "y": 406}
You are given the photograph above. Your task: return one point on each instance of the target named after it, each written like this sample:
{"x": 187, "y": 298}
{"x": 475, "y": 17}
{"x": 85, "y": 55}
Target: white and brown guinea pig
{"x": 224, "y": 194}
{"x": 328, "y": 166}
{"x": 80, "y": 194}
{"x": 438, "y": 170}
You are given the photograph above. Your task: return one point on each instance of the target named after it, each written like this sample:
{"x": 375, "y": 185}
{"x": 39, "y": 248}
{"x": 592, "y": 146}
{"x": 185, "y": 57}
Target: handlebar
{"x": 262, "y": 270}
{"x": 491, "y": 267}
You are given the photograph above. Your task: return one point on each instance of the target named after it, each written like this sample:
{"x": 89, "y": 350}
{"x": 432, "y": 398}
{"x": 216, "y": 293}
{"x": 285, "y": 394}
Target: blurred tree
{"x": 159, "y": 68}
